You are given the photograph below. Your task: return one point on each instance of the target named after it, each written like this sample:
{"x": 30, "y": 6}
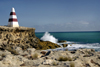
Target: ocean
{"x": 76, "y": 40}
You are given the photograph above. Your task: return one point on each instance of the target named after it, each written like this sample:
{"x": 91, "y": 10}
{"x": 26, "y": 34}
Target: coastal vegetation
{"x": 13, "y": 51}
{"x": 61, "y": 58}
{"x": 55, "y": 63}
{"x": 34, "y": 56}
{"x": 3, "y": 55}
{"x": 72, "y": 64}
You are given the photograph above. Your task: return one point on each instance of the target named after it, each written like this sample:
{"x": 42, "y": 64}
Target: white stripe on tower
{"x": 12, "y": 22}
{"x": 13, "y": 16}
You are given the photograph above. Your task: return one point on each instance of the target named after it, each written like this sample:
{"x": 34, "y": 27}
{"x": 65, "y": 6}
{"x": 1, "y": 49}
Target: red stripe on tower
{"x": 12, "y": 22}
{"x": 12, "y": 13}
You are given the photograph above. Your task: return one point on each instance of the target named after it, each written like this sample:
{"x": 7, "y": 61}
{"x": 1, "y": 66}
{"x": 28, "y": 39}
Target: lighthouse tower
{"x": 12, "y": 22}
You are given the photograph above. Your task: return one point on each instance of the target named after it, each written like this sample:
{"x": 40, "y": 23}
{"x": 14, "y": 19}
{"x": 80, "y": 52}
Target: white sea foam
{"x": 48, "y": 37}
{"x": 76, "y": 45}
{"x": 69, "y": 42}
{"x": 95, "y": 46}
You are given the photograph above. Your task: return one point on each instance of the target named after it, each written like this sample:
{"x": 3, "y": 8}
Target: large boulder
{"x": 46, "y": 45}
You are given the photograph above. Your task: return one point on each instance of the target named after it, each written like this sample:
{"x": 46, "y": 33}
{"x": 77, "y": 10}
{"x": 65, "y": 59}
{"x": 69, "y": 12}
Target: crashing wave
{"x": 48, "y": 37}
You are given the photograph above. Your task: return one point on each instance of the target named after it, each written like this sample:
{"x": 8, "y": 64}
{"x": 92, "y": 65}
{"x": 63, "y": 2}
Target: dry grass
{"x": 3, "y": 55}
{"x": 13, "y": 51}
{"x": 35, "y": 56}
{"x": 72, "y": 64}
{"x": 66, "y": 49}
{"x": 74, "y": 58}
{"x": 22, "y": 64}
{"x": 54, "y": 63}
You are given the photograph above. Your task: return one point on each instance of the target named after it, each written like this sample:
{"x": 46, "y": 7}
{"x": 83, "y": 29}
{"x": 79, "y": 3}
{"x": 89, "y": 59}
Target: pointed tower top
{"x": 13, "y": 10}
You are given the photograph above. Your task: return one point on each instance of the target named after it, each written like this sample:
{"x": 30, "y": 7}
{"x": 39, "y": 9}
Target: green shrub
{"x": 13, "y": 51}
{"x": 66, "y": 49}
{"x": 64, "y": 59}
{"x": 3, "y": 55}
{"x": 1, "y": 59}
{"x": 88, "y": 52}
{"x": 74, "y": 58}
{"x": 54, "y": 63}
{"x": 22, "y": 64}
{"x": 69, "y": 59}
{"x": 72, "y": 64}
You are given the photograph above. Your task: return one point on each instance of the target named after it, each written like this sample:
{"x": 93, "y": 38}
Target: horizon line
{"x": 66, "y": 31}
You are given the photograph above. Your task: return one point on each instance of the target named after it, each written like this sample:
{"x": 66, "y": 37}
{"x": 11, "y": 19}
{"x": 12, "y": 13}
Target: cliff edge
{"x": 23, "y": 37}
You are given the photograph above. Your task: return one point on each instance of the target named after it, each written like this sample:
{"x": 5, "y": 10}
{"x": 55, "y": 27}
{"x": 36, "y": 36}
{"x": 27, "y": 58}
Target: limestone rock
{"x": 18, "y": 50}
{"x": 44, "y": 58}
{"x": 23, "y": 37}
{"x": 31, "y": 50}
{"x": 11, "y": 60}
{"x": 48, "y": 62}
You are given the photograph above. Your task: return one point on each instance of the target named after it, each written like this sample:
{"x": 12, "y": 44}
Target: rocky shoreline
{"x": 19, "y": 47}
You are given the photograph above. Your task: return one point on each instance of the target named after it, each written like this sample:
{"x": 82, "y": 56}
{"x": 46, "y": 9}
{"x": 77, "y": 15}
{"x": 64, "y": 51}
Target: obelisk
{"x": 13, "y": 22}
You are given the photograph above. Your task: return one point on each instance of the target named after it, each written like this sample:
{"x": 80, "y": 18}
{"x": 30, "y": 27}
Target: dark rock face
{"x": 62, "y": 41}
{"x": 64, "y": 45}
{"x": 46, "y": 45}
{"x": 23, "y": 37}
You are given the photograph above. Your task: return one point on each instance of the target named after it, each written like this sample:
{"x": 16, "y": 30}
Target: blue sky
{"x": 54, "y": 15}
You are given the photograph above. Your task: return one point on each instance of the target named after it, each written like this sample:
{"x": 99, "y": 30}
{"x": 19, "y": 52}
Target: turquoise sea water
{"x": 81, "y": 39}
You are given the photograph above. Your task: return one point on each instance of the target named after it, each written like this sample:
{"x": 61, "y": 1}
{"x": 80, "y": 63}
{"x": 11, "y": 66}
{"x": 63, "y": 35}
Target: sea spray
{"x": 48, "y": 37}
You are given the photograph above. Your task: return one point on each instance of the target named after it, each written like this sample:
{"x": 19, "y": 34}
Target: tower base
{"x": 13, "y": 24}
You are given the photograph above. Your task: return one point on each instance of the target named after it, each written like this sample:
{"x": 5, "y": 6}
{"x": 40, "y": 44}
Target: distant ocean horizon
{"x": 82, "y": 39}
{"x": 66, "y": 31}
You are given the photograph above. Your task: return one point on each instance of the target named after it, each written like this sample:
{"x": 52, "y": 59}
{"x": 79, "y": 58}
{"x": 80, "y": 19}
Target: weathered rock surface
{"x": 40, "y": 58}
{"x": 23, "y": 37}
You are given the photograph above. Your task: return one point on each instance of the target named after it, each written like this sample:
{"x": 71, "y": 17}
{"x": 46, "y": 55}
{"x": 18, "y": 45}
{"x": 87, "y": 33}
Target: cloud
{"x": 68, "y": 26}
{"x": 84, "y": 22}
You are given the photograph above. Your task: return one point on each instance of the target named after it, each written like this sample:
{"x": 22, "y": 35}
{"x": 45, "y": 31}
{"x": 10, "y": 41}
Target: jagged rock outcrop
{"x": 23, "y": 37}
